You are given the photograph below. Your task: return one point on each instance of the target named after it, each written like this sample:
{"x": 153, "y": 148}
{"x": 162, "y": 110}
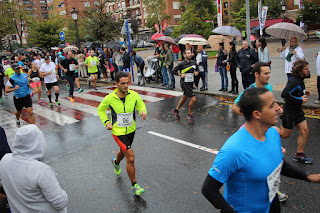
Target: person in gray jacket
{"x": 169, "y": 64}
{"x": 31, "y": 185}
{"x": 245, "y": 60}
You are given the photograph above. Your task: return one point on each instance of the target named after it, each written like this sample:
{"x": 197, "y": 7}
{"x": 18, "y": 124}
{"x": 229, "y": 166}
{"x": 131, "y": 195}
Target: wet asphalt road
{"x": 171, "y": 173}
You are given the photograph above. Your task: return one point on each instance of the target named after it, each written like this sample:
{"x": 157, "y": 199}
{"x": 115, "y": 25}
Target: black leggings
{"x": 234, "y": 80}
{"x": 1, "y": 88}
{"x": 70, "y": 79}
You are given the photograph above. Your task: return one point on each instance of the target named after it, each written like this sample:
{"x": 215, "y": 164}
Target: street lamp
{"x": 74, "y": 14}
{"x": 283, "y": 7}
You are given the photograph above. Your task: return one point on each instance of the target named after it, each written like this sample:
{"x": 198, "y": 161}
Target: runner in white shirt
{"x": 39, "y": 61}
{"x": 50, "y": 74}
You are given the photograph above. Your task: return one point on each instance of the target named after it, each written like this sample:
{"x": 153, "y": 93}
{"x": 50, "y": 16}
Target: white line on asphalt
{"x": 80, "y": 106}
{"x": 163, "y": 91}
{"x": 144, "y": 97}
{"x": 184, "y": 142}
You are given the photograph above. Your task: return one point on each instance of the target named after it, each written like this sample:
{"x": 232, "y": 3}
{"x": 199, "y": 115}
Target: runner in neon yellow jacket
{"x": 112, "y": 101}
{"x": 123, "y": 103}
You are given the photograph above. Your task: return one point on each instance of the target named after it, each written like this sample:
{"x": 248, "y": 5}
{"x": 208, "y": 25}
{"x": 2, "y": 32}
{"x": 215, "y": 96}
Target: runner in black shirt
{"x": 68, "y": 65}
{"x": 187, "y": 69}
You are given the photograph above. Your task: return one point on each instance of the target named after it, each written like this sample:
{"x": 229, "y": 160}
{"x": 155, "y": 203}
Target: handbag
{"x": 216, "y": 68}
{"x": 228, "y": 67}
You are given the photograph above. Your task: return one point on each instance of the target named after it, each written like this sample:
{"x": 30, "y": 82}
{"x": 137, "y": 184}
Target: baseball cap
{"x": 15, "y": 66}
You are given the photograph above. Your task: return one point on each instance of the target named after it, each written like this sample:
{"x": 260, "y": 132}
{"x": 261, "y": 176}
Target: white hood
{"x": 29, "y": 142}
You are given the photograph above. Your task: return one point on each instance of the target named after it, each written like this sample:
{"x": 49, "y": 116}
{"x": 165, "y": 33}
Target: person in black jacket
{"x": 233, "y": 69}
{"x": 245, "y": 60}
{"x": 222, "y": 64}
{"x": 295, "y": 95}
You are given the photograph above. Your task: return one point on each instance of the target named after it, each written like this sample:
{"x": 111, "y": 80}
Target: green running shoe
{"x": 117, "y": 169}
{"x": 51, "y": 105}
{"x": 58, "y": 102}
{"x": 137, "y": 190}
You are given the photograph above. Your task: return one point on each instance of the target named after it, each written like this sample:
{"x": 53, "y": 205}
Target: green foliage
{"x": 45, "y": 33}
{"x": 99, "y": 25}
{"x": 193, "y": 18}
{"x": 274, "y": 8}
{"x": 311, "y": 12}
{"x": 239, "y": 18}
{"x": 70, "y": 30}
{"x": 155, "y": 10}
{"x": 253, "y": 5}
{"x": 14, "y": 18}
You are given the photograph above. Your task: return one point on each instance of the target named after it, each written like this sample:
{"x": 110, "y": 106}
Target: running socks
{"x": 57, "y": 96}
{"x": 115, "y": 162}
{"x": 49, "y": 96}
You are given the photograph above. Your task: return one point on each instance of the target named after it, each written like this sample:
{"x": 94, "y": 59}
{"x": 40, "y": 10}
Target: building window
{"x": 230, "y": 4}
{"x": 225, "y": 5}
{"x": 296, "y": 2}
{"x": 29, "y": 8}
{"x": 176, "y": 5}
{"x": 62, "y": 13}
{"x": 123, "y": 5}
{"x": 26, "y": 2}
{"x": 43, "y": 8}
{"x": 49, "y": 1}
{"x": 86, "y": 4}
{"x": 177, "y": 18}
{"x": 42, "y": 2}
{"x": 45, "y": 15}
{"x": 14, "y": 37}
{"x": 97, "y": 3}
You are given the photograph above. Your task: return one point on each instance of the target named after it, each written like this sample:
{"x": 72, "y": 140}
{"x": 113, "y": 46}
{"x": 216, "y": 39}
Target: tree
{"x": 16, "y": 16}
{"x": 45, "y": 33}
{"x": 70, "y": 30}
{"x": 239, "y": 18}
{"x": 99, "y": 25}
{"x": 274, "y": 8}
{"x": 311, "y": 12}
{"x": 155, "y": 12}
{"x": 194, "y": 16}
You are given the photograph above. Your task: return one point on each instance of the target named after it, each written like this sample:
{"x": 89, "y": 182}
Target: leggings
{"x": 70, "y": 79}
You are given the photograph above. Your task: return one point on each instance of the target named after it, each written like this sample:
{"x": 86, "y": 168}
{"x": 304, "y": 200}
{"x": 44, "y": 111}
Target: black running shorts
{"x": 50, "y": 85}
{"x": 25, "y": 102}
{"x": 290, "y": 118}
{"x": 124, "y": 141}
{"x": 187, "y": 89}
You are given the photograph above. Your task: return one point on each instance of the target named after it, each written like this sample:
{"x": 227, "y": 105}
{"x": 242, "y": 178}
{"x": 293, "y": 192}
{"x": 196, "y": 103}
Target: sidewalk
{"x": 278, "y": 76}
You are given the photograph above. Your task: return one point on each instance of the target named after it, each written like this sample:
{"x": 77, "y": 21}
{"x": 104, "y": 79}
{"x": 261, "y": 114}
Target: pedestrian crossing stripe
{"x": 84, "y": 105}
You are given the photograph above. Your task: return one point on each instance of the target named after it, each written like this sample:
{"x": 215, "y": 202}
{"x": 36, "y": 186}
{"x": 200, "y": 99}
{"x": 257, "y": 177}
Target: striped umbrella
{"x": 193, "y": 39}
{"x": 227, "y": 30}
{"x": 166, "y": 39}
{"x": 286, "y": 30}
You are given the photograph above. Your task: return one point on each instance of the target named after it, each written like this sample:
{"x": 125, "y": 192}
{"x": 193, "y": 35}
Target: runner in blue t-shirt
{"x": 251, "y": 160}
{"x": 21, "y": 97}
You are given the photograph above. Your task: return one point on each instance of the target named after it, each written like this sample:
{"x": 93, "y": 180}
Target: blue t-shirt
{"x": 21, "y": 80}
{"x": 243, "y": 165}
{"x": 267, "y": 86}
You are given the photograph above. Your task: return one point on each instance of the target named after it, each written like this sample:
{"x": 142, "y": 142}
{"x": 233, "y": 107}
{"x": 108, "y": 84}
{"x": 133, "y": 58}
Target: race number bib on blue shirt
{"x": 273, "y": 181}
{"x": 124, "y": 119}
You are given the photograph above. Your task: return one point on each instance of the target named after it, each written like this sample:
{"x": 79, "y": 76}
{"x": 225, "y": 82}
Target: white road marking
{"x": 79, "y": 106}
{"x": 90, "y": 97}
{"x": 163, "y": 91}
{"x": 144, "y": 97}
{"x": 184, "y": 142}
{"x": 53, "y": 115}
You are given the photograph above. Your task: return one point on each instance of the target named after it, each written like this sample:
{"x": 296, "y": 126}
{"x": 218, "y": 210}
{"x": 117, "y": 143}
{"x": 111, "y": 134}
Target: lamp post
{"x": 283, "y": 8}
{"x": 74, "y": 14}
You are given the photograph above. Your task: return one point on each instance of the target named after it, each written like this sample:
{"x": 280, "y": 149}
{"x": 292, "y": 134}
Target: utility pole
{"x": 248, "y": 22}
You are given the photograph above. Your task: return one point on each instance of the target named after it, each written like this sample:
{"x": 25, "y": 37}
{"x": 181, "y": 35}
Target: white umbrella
{"x": 70, "y": 48}
{"x": 193, "y": 39}
{"x": 286, "y": 30}
{"x": 227, "y": 30}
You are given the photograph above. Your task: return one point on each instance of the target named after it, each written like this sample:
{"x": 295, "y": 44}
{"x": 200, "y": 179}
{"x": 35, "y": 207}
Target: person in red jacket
{"x": 175, "y": 50}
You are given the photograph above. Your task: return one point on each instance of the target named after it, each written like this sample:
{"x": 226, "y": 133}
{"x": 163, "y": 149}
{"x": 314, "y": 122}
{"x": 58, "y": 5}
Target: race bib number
{"x": 93, "y": 63}
{"x": 36, "y": 79}
{"x": 72, "y": 67}
{"x": 273, "y": 181}
{"x": 201, "y": 69}
{"x": 125, "y": 119}
{"x": 189, "y": 77}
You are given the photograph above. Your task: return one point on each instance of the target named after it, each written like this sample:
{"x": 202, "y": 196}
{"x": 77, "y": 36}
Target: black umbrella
{"x": 62, "y": 45}
{"x": 181, "y": 36}
{"x": 168, "y": 32}
{"x": 116, "y": 47}
{"x": 111, "y": 43}
{"x": 19, "y": 50}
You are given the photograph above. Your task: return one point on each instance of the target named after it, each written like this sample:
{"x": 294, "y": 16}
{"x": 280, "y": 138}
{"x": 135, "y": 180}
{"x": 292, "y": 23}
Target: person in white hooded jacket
{"x": 31, "y": 185}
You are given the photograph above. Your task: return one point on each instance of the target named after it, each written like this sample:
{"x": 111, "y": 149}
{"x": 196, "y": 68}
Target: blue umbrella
{"x": 227, "y": 30}
{"x": 102, "y": 52}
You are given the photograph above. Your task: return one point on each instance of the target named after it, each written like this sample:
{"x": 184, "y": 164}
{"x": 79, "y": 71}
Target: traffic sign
{"x": 62, "y": 35}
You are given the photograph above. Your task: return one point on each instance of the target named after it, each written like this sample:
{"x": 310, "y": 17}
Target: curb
{"x": 281, "y": 102}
